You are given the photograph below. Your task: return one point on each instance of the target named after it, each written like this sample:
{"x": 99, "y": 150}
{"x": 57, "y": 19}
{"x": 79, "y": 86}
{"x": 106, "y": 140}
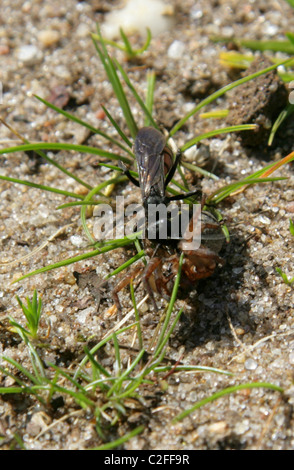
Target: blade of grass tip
{"x": 116, "y": 84}
{"x": 117, "y": 128}
{"x": 222, "y": 91}
{"x": 147, "y": 43}
{"x": 88, "y": 126}
{"x": 227, "y": 391}
{"x": 42, "y": 187}
{"x": 289, "y": 158}
{"x": 47, "y": 158}
{"x": 135, "y": 94}
{"x": 151, "y": 78}
{"x": 235, "y": 188}
{"x": 190, "y": 368}
{"x": 282, "y": 117}
{"x": 121, "y": 440}
{"x": 224, "y": 130}
{"x": 128, "y": 48}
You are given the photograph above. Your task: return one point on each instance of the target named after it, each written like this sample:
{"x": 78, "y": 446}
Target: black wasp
{"x": 156, "y": 169}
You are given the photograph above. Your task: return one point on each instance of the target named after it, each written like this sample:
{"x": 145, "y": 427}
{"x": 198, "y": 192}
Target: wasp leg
{"x": 173, "y": 168}
{"x": 179, "y": 197}
{"x": 128, "y": 174}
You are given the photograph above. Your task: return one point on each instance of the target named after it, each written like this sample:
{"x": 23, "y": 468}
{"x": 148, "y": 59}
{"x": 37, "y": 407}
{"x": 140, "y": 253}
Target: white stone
{"x": 176, "y": 50}
{"x": 136, "y": 16}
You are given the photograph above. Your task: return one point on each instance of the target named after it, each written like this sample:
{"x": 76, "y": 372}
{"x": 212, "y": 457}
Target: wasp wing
{"x": 148, "y": 148}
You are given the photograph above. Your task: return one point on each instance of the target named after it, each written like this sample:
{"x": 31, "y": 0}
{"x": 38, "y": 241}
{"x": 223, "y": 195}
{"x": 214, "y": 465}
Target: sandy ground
{"x": 242, "y": 318}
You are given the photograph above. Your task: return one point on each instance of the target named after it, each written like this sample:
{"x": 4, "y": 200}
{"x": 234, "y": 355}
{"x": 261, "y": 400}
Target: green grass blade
{"x": 281, "y": 118}
{"x": 116, "y": 84}
{"x": 75, "y": 259}
{"x": 84, "y": 124}
{"x": 64, "y": 146}
{"x": 290, "y": 36}
{"x": 147, "y": 43}
{"x": 151, "y": 78}
{"x": 137, "y": 97}
{"x": 222, "y": 91}
{"x": 42, "y": 187}
{"x": 137, "y": 316}
{"x": 227, "y": 391}
{"x": 161, "y": 340}
{"x": 118, "y": 129}
{"x": 118, "y": 442}
{"x": 227, "y": 190}
{"x": 267, "y": 45}
{"x": 190, "y": 368}
{"x": 291, "y": 227}
{"x": 44, "y": 155}
{"x": 23, "y": 370}
{"x": 128, "y": 48}
{"x": 224, "y": 130}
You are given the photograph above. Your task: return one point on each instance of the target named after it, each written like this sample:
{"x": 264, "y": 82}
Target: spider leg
{"x": 123, "y": 283}
{"x": 148, "y": 279}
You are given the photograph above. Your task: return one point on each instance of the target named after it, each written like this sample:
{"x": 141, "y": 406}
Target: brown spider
{"x": 159, "y": 274}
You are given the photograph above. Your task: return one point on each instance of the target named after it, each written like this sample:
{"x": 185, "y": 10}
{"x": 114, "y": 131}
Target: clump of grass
{"x": 32, "y": 312}
{"x": 126, "y": 46}
{"x": 103, "y": 392}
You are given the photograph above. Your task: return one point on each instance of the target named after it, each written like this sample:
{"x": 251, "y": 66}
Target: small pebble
{"x": 48, "y": 37}
{"x": 250, "y": 364}
{"x": 176, "y": 50}
{"x": 29, "y": 54}
{"x": 4, "y": 49}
